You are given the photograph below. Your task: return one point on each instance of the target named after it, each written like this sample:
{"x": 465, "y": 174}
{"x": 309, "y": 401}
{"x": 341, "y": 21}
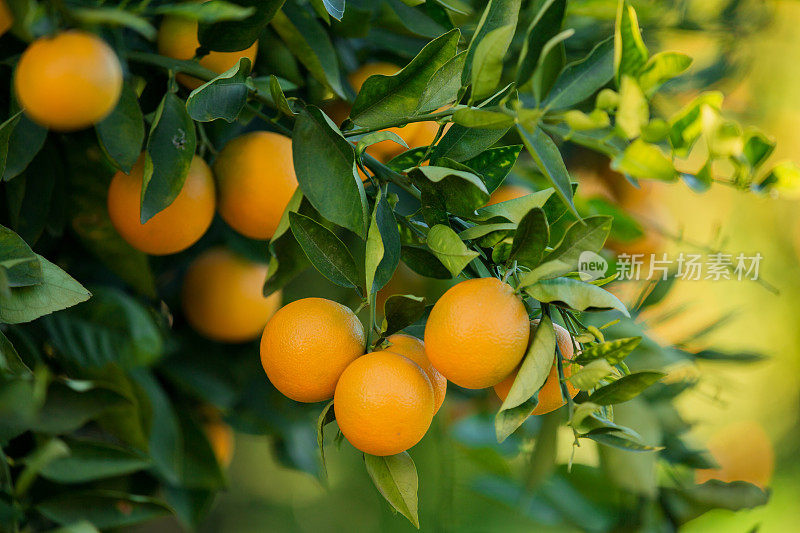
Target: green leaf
{"x": 612, "y": 351}
{"x": 10, "y": 362}
{"x": 112, "y": 327}
{"x": 91, "y": 460}
{"x": 395, "y": 476}
{"x": 82, "y": 526}
{"x": 325, "y": 164}
{"x": 498, "y": 13}
{"x": 734, "y": 357}
{"x": 170, "y": 148}
{"x": 376, "y": 137}
{"x": 224, "y": 97}
{"x": 661, "y": 68}
{"x": 514, "y": 210}
{"x": 335, "y": 8}
{"x": 578, "y": 238}
{"x": 401, "y": 311}
{"x": 207, "y": 12}
{"x": 443, "y": 87}
{"x": 6, "y": 129}
{"x": 481, "y": 230}
{"x": 165, "y": 439}
{"x": 71, "y": 404}
{"x": 113, "y": 16}
{"x": 551, "y": 63}
{"x": 236, "y": 35}
{"x": 325, "y": 250}
{"x": 590, "y": 375}
{"x": 474, "y": 117}
{"x": 309, "y": 42}
{"x": 630, "y": 53}
{"x": 686, "y": 125}
{"x": 383, "y": 246}
{"x": 25, "y": 141}
{"x": 325, "y": 417}
{"x": 103, "y": 508}
{"x": 757, "y": 148}
{"x": 415, "y": 20}
{"x": 621, "y": 441}
{"x": 633, "y": 112}
{"x": 487, "y": 61}
{"x": 545, "y": 25}
{"x": 17, "y": 260}
{"x": 531, "y": 238}
{"x": 575, "y": 294}
{"x": 450, "y": 249}
{"x": 548, "y": 158}
{"x": 42, "y": 456}
{"x": 384, "y": 99}
{"x": 645, "y": 161}
{"x": 580, "y": 80}
{"x": 460, "y": 192}
{"x": 278, "y": 97}
{"x": 494, "y": 164}
{"x": 522, "y": 397}
{"x": 424, "y": 263}
{"x": 692, "y": 501}
{"x": 624, "y": 389}
{"x": 56, "y": 291}
{"x": 784, "y": 178}
{"x": 121, "y": 134}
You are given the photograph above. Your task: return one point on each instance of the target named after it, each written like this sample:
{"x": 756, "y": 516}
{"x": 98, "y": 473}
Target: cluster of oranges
{"x": 476, "y": 336}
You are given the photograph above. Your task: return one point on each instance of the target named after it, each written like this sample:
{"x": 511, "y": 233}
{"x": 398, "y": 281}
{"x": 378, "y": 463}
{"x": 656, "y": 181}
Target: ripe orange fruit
{"x": 177, "y": 38}
{"x": 256, "y": 180}
{"x": 175, "y": 228}
{"x": 384, "y": 403}
{"x": 744, "y": 453}
{"x": 220, "y": 437}
{"x": 415, "y": 134}
{"x": 550, "y": 397}
{"x": 69, "y": 81}
{"x": 414, "y": 349}
{"x": 477, "y": 333}
{"x": 6, "y": 18}
{"x": 307, "y": 345}
{"x": 508, "y": 192}
{"x": 222, "y": 296}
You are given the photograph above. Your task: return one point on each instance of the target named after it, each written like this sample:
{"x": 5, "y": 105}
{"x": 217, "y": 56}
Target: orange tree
{"x": 122, "y": 140}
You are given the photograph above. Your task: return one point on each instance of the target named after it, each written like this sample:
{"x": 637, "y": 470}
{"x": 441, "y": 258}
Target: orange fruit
{"x": 414, "y": 349}
{"x": 307, "y": 345}
{"x": 384, "y": 403}
{"x": 175, "y": 228}
{"x": 177, "y": 38}
{"x": 508, "y": 192}
{"x": 477, "y": 333}
{"x": 69, "y": 81}
{"x": 222, "y": 296}
{"x": 550, "y": 397}
{"x": 744, "y": 453}
{"x": 6, "y": 17}
{"x": 256, "y": 180}
{"x": 220, "y": 437}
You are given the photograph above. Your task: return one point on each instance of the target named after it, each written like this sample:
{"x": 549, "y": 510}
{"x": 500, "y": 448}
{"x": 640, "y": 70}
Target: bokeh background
{"x": 750, "y": 50}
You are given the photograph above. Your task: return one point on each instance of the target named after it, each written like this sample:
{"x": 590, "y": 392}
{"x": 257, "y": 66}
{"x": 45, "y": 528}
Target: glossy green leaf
{"x": 443, "y": 87}
{"x": 487, "y": 61}
{"x": 170, "y": 149}
{"x": 498, "y": 13}
{"x": 661, "y": 68}
{"x": 645, "y": 161}
{"x": 236, "y": 35}
{"x": 494, "y": 164}
{"x": 514, "y": 210}
{"x": 548, "y": 158}
{"x": 551, "y": 63}
{"x": 384, "y": 99}
{"x": 531, "y": 239}
{"x": 276, "y": 91}
{"x": 612, "y": 351}
{"x": 395, "y": 476}
{"x": 424, "y": 263}
{"x": 545, "y": 25}
{"x": 91, "y": 460}
{"x": 324, "y": 162}
{"x": 522, "y": 397}
{"x": 121, "y": 134}
{"x": 335, "y": 8}
{"x": 325, "y": 250}
{"x": 450, "y": 249}
{"x": 224, "y": 97}
{"x": 630, "y": 53}
{"x": 582, "y": 79}
{"x": 625, "y": 388}
{"x": 460, "y": 192}
{"x": 590, "y": 375}
{"x": 24, "y": 142}
{"x": 104, "y": 508}
{"x": 473, "y": 117}
{"x": 20, "y": 265}
{"x": 401, "y": 311}
{"x": 383, "y": 246}
{"x": 56, "y": 291}
{"x": 575, "y": 294}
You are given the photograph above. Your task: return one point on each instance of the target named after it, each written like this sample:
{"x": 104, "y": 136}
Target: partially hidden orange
{"x": 414, "y": 349}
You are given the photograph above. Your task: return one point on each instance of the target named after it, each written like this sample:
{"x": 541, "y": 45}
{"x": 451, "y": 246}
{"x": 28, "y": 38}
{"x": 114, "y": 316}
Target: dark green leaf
{"x": 395, "y": 476}
{"x": 71, "y": 404}
{"x": 514, "y": 210}
{"x": 494, "y": 164}
{"x": 335, "y": 8}
{"x": 625, "y": 388}
{"x": 551, "y": 63}
{"x": 324, "y": 162}
{"x": 236, "y": 35}
{"x": 443, "y": 87}
{"x": 531, "y": 238}
{"x": 325, "y": 417}
{"x": 33, "y": 198}
{"x": 26, "y": 139}
{"x": 450, "y": 249}
{"x": 487, "y": 61}
{"x": 691, "y": 502}
{"x": 112, "y": 16}
{"x": 224, "y": 97}
{"x": 498, "y": 13}
{"x": 575, "y": 294}
{"x": 121, "y": 133}
{"x": 105, "y": 509}
{"x": 384, "y": 99}
{"x": 543, "y": 27}
{"x": 91, "y": 460}
{"x": 415, "y": 20}
{"x": 757, "y": 148}
{"x": 401, "y": 311}
{"x": 383, "y": 246}
{"x": 6, "y": 129}
{"x": 548, "y": 158}
{"x": 460, "y": 192}
{"x": 424, "y": 262}
{"x": 325, "y": 250}
{"x": 10, "y": 362}
{"x": 473, "y": 117}
{"x": 734, "y": 357}
{"x": 207, "y": 12}
{"x": 582, "y": 79}
{"x": 170, "y": 148}
{"x": 37, "y": 460}
{"x": 621, "y": 441}
{"x": 612, "y": 351}
{"x": 20, "y": 264}
{"x": 278, "y": 97}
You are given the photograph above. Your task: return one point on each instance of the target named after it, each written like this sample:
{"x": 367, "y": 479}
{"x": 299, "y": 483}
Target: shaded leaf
{"x": 91, "y": 460}
{"x": 121, "y": 133}
{"x": 531, "y": 238}
{"x": 383, "y": 246}
{"x": 224, "y": 97}
{"x": 625, "y": 388}
{"x": 401, "y": 311}
{"x": 487, "y": 60}
{"x": 325, "y": 250}
{"x": 450, "y": 249}
{"x": 548, "y": 158}
{"x": 575, "y": 294}
{"x": 494, "y": 164}
{"x": 104, "y": 508}
{"x": 325, "y": 417}
{"x": 545, "y": 25}
{"x": 443, "y": 87}
{"x": 580, "y": 80}
{"x": 19, "y": 264}
{"x": 236, "y": 35}
{"x": 395, "y": 476}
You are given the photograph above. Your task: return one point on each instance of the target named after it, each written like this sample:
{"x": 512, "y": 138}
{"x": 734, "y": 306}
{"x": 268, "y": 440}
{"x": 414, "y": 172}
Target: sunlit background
{"x": 747, "y": 411}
